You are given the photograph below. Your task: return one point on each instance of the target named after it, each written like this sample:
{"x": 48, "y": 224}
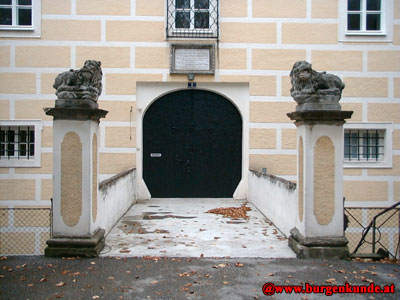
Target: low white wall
{"x": 275, "y": 198}
{"x": 117, "y": 195}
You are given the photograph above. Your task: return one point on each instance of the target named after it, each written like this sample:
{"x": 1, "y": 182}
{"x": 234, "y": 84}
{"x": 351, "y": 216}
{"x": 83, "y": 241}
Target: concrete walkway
{"x": 183, "y": 228}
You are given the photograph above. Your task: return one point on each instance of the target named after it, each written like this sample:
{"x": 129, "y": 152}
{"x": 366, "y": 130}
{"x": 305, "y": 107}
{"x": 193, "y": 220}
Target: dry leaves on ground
{"x": 232, "y": 212}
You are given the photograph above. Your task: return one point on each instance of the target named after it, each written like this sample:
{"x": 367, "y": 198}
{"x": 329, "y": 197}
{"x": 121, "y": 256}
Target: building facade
{"x": 254, "y": 44}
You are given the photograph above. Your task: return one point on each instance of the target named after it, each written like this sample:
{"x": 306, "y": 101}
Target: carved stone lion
{"x": 314, "y": 87}
{"x": 84, "y": 83}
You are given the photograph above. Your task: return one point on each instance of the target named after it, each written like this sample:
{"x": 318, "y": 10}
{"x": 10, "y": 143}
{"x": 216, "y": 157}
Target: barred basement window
{"x": 364, "y": 145}
{"x": 192, "y": 18}
{"x": 20, "y": 143}
{"x": 17, "y": 142}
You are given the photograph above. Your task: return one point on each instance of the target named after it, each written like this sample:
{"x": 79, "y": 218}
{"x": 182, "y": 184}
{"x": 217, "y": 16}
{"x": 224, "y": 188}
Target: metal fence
{"x": 386, "y": 234}
{"x": 24, "y": 231}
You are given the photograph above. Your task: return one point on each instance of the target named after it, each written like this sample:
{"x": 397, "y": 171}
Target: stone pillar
{"x": 76, "y": 228}
{"x": 319, "y": 120}
{"x": 75, "y": 182}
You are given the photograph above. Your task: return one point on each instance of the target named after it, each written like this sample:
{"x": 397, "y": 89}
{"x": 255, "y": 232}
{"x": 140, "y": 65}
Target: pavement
{"x": 183, "y": 228}
{"x": 174, "y": 249}
{"x": 40, "y": 278}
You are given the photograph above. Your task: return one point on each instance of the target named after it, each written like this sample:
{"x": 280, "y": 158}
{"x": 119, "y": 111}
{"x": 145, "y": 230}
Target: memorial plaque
{"x": 196, "y": 59}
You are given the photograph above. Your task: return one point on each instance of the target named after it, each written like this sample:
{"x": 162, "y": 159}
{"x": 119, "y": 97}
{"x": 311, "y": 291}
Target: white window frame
{"x": 383, "y": 35}
{"x": 180, "y": 32}
{"x": 34, "y": 161}
{"x": 386, "y": 162}
{"x": 25, "y": 31}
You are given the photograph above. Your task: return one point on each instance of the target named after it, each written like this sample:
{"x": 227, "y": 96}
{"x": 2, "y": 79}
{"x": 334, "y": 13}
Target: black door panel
{"x": 199, "y": 136}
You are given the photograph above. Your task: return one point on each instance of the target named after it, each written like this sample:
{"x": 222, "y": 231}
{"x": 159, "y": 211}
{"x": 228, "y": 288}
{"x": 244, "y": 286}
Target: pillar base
{"x": 76, "y": 246}
{"x": 321, "y": 247}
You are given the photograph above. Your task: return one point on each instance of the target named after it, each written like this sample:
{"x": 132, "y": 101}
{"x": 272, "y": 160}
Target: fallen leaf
{"x": 1, "y": 276}
{"x": 60, "y": 284}
{"x": 43, "y": 279}
{"x": 154, "y": 282}
{"x": 93, "y": 263}
{"x": 95, "y": 297}
{"x": 239, "y": 265}
{"x": 58, "y": 295}
{"x": 330, "y": 280}
{"x": 24, "y": 265}
{"x": 270, "y": 274}
{"x": 226, "y": 282}
{"x": 111, "y": 278}
{"x": 30, "y": 284}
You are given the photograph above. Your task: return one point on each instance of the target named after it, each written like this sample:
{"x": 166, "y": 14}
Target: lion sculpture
{"x": 84, "y": 83}
{"x": 314, "y": 87}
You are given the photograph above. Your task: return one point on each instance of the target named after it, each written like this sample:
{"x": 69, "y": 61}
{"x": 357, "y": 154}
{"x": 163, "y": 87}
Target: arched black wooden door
{"x": 192, "y": 145}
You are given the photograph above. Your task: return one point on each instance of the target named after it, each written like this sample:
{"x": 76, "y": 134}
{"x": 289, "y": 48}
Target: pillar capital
{"x": 323, "y": 117}
{"x": 76, "y": 113}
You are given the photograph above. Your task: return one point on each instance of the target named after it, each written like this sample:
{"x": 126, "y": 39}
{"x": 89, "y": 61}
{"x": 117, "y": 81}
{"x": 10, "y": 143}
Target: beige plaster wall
{"x": 258, "y": 44}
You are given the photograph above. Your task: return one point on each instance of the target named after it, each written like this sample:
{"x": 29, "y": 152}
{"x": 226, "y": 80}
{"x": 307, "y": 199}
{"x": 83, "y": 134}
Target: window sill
{"x": 35, "y": 162}
{"x": 367, "y": 165}
{"x": 17, "y": 28}
{"x": 366, "y": 38}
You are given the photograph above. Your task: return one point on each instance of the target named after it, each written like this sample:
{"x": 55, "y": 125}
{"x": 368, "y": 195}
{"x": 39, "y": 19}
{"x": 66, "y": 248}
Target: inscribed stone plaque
{"x": 197, "y": 59}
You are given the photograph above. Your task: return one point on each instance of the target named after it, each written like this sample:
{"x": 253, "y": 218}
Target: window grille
{"x": 364, "y": 15}
{"x": 17, "y": 142}
{"x": 192, "y": 18}
{"x": 16, "y": 13}
{"x": 364, "y": 145}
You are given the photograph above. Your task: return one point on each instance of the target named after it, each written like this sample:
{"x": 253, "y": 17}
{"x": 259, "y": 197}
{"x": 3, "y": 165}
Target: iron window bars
{"x": 192, "y": 18}
{"x": 364, "y": 15}
{"x": 17, "y": 142}
{"x": 363, "y": 145}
